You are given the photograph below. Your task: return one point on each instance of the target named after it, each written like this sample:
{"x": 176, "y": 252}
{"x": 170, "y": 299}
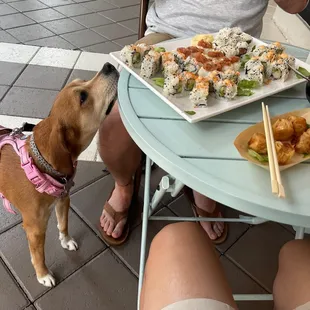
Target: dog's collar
{"x": 41, "y": 160}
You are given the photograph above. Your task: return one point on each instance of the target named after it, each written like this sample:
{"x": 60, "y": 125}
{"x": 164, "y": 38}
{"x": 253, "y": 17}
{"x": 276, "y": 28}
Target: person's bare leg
{"x": 215, "y": 229}
{"x": 183, "y": 264}
{"x": 291, "y": 287}
{"x": 122, "y": 158}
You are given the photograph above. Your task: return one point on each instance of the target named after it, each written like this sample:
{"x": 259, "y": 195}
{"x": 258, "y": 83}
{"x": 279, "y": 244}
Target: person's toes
{"x": 208, "y": 228}
{"x": 106, "y": 227}
{"x": 217, "y": 230}
{"x": 118, "y": 230}
{"x": 110, "y": 229}
{"x": 103, "y": 221}
{"x": 221, "y": 226}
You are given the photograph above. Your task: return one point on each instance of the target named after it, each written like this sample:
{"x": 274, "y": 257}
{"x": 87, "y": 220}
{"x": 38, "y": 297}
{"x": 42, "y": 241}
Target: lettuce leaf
{"x": 259, "y": 157}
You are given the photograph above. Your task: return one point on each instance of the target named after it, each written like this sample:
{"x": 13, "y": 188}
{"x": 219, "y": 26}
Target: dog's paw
{"x": 68, "y": 243}
{"x": 47, "y": 280}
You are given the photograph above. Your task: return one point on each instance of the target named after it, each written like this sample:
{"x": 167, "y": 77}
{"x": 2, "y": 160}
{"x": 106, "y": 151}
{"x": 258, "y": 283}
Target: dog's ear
{"x": 50, "y": 138}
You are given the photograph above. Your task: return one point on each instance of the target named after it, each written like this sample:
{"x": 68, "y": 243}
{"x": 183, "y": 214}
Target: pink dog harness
{"x": 43, "y": 182}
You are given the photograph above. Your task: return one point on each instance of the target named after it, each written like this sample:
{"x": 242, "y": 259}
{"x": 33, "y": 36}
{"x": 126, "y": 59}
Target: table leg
{"x": 300, "y": 232}
{"x": 146, "y": 209}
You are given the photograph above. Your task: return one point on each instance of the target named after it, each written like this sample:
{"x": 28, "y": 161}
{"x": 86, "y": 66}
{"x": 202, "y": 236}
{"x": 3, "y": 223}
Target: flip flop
{"x": 118, "y": 216}
{"x": 198, "y": 212}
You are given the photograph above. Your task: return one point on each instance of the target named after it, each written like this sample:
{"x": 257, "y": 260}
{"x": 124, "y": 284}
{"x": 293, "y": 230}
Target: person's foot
{"x": 120, "y": 201}
{"x": 213, "y": 229}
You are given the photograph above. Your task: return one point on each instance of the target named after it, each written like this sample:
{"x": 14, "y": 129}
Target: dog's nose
{"x": 107, "y": 68}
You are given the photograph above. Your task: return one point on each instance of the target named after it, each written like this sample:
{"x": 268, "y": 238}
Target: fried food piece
{"x": 283, "y": 130}
{"x": 285, "y": 151}
{"x": 303, "y": 143}
{"x": 258, "y": 144}
{"x": 299, "y": 124}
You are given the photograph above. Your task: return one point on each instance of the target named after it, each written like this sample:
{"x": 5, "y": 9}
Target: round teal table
{"x": 203, "y": 157}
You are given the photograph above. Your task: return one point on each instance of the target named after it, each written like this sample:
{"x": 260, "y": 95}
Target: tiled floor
{"x": 96, "y": 276}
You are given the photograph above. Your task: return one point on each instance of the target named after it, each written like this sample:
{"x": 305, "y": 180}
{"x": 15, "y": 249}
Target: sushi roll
{"x": 244, "y": 37}
{"x": 214, "y": 77}
{"x": 170, "y": 68}
{"x": 278, "y": 70}
{"x": 242, "y": 47}
{"x": 199, "y": 95}
{"x": 191, "y": 65}
{"x": 255, "y": 70}
{"x": 226, "y": 89}
{"x": 188, "y": 80}
{"x": 180, "y": 57}
{"x": 288, "y": 59}
{"x": 167, "y": 56}
{"x": 144, "y": 49}
{"x": 131, "y": 55}
{"x": 260, "y": 50}
{"x": 151, "y": 64}
{"x": 230, "y": 75}
{"x": 277, "y": 47}
{"x": 173, "y": 85}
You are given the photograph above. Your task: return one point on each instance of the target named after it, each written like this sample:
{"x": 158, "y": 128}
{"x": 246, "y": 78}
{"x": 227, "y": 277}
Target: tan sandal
{"x": 118, "y": 216}
{"x": 198, "y": 212}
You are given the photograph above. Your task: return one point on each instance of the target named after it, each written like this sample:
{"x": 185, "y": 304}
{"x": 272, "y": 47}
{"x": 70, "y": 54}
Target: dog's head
{"x": 76, "y": 115}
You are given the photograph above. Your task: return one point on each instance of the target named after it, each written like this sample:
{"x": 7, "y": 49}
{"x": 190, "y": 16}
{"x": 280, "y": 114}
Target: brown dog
{"x": 60, "y": 138}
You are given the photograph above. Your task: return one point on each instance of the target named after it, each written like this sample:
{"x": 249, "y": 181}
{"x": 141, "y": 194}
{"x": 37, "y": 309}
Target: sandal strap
{"x": 117, "y": 216}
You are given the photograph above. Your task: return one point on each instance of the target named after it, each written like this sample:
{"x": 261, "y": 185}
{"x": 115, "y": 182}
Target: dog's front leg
{"x": 62, "y": 212}
{"x": 35, "y": 224}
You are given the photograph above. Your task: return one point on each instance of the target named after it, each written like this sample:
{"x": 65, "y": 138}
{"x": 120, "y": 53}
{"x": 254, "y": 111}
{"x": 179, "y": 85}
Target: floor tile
{"x": 82, "y": 75}
{"x": 45, "y": 15}
{"x": 181, "y": 207}
{"x": 28, "y": 5}
{"x": 9, "y": 72}
{"x": 17, "y": 53}
{"x": 28, "y": 102}
{"x": 11, "y": 296}
{"x": 15, "y": 20}
{"x": 16, "y": 121}
{"x": 91, "y": 151}
{"x": 3, "y": 90}
{"x": 128, "y": 40}
{"x": 89, "y": 201}
{"x": 63, "y": 26}
{"x": 7, "y": 38}
{"x": 132, "y": 24}
{"x": 113, "y": 31}
{"x": 62, "y": 263}
{"x": 83, "y": 38}
{"x": 103, "y": 284}
{"x": 87, "y": 173}
{"x": 30, "y": 308}
{"x": 98, "y": 5}
{"x": 32, "y": 32}
{"x": 53, "y": 3}
{"x": 104, "y": 48}
{"x": 43, "y": 77}
{"x": 8, "y": 220}
{"x": 6, "y": 9}
{"x": 241, "y": 283}
{"x": 251, "y": 250}
{"x": 130, "y": 251}
{"x": 123, "y": 3}
{"x": 72, "y": 9}
{"x": 55, "y": 57}
{"x": 93, "y": 61}
{"x": 55, "y": 41}
{"x": 92, "y": 20}
{"x": 118, "y": 15}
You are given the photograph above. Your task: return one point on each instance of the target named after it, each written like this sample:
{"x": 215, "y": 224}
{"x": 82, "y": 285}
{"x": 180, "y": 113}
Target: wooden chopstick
{"x": 271, "y": 161}
{"x": 281, "y": 191}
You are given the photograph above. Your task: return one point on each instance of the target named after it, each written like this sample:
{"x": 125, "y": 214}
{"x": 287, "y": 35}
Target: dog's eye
{"x": 83, "y": 97}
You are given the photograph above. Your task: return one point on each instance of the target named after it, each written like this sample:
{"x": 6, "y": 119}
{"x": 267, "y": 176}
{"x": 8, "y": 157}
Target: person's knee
{"x": 292, "y": 249}
{"x": 175, "y": 234}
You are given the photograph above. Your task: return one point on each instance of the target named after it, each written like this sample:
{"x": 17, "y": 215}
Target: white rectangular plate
{"x": 215, "y": 106}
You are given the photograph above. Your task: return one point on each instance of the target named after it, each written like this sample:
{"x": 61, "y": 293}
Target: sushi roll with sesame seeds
{"x": 170, "y": 68}
{"x": 226, "y": 89}
{"x": 260, "y": 50}
{"x": 188, "y": 80}
{"x": 255, "y": 70}
{"x": 151, "y": 64}
{"x": 214, "y": 77}
{"x": 173, "y": 85}
{"x": 288, "y": 59}
{"x": 277, "y": 47}
{"x": 144, "y": 49}
{"x": 180, "y": 58}
{"x": 199, "y": 94}
{"x": 131, "y": 55}
{"x": 278, "y": 70}
{"x": 230, "y": 75}
{"x": 191, "y": 65}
